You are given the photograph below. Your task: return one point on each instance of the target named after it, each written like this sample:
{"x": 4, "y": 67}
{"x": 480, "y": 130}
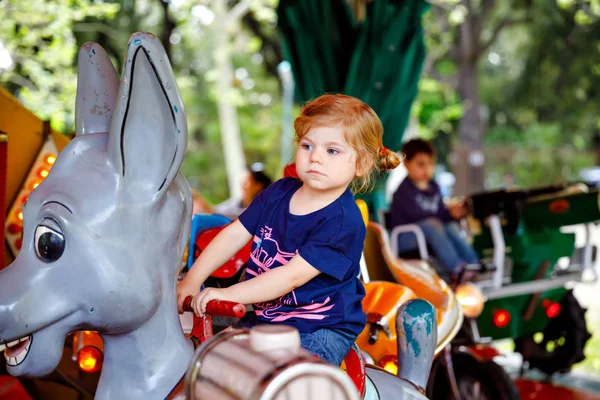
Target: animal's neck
{"x": 148, "y": 362}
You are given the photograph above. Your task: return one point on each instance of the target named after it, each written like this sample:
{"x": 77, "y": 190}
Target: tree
{"x": 46, "y": 80}
{"x": 465, "y": 30}
{"x": 40, "y": 51}
{"x": 541, "y": 93}
{"x": 228, "y": 70}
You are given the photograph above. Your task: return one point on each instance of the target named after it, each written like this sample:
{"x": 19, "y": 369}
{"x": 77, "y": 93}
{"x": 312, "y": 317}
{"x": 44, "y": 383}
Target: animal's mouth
{"x": 16, "y": 350}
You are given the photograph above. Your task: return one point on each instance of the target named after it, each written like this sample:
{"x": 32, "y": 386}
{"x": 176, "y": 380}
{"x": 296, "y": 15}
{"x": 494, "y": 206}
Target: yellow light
{"x": 34, "y": 185}
{"x": 470, "y": 298}
{"x": 89, "y": 359}
{"x": 51, "y": 159}
{"x": 44, "y": 173}
{"x": 391, "y": 367}
{"x": 20, "y": 215}
{"x": 389, "y": 363}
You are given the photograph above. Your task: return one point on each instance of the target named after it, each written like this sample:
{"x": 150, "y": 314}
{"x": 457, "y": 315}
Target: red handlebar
{"x": 222, "y": 308}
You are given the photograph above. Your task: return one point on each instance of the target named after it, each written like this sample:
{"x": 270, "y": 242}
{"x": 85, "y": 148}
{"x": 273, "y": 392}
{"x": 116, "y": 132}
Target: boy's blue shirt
{"x": 411, "y": 204}
{"x": 330, "y": 239}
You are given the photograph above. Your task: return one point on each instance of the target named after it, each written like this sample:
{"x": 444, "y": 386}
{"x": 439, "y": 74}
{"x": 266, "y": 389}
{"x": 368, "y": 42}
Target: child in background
{"x": 255, "y": 180}
{"x": 418, "y": 201}
{"x": 307, "y": 233}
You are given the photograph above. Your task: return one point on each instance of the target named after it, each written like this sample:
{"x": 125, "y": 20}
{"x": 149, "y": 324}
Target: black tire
{"x": 562, "y": 341}
{"x": 477, "y": 380}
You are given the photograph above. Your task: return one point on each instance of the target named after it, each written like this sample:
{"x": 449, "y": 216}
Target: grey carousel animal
{"x": 104, "y": 236}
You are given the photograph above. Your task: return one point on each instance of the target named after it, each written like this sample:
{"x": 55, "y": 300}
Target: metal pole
{"x": 499, "y": 249}
{"x": 3, "y": 167}
{"x": 287, "y": 82}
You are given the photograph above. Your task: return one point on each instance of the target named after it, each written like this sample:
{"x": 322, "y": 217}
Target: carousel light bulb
{"x": 51, "y": 159}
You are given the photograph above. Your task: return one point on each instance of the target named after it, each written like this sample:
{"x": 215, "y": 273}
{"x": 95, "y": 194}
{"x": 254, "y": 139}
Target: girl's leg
{"x": 465, "y": 251}
{"x": 331, "y": 345}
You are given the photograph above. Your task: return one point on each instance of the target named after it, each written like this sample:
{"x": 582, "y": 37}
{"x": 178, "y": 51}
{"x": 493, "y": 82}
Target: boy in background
{"x": 418, "y": 201}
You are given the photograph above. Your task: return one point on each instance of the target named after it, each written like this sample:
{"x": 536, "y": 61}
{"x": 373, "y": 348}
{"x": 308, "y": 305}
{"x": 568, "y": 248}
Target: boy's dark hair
{"x": 416, "y": 146}
{"x": 259, "y": 176}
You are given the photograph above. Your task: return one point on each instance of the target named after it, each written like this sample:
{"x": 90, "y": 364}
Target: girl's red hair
{"x": 362, "y": 130}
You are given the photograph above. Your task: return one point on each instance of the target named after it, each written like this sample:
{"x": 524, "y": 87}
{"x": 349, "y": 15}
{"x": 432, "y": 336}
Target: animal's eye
{"x": 49, "y": 243}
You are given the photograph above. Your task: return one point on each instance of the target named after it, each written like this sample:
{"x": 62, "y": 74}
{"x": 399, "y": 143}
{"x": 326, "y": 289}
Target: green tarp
{"x": 378, "y": 60}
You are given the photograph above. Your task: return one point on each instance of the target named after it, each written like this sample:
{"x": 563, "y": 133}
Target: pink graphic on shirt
{"x": 310, "y": 311}
{"x": 264, "y": 260}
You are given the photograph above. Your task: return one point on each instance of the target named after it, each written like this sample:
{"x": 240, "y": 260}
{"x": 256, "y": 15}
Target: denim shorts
{"x": 331, "y": 345}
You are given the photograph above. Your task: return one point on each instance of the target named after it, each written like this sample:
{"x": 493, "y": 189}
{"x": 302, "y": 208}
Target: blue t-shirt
{"x": 330, "y": 239}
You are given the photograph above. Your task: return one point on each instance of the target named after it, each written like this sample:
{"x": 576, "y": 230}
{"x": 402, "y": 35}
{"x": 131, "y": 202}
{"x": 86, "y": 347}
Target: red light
{"x": 24, "y": 199}
{"x": 546, "y": 303}
{"x": 553, "y": 310}
{"x": 501, "y": 318}
{"x": 18, "y": 244}
{"x": 89, "y": 359}
{"x": 13, "y": 229}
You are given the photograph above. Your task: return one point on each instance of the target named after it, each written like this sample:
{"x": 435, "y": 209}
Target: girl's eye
{"x": 305, "y": 146}
{"x": 333, "y": 151}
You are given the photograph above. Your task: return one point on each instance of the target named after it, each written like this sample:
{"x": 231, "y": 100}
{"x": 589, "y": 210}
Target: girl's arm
{"x": 228, "y": 242}
{"x": 265, "y": 287}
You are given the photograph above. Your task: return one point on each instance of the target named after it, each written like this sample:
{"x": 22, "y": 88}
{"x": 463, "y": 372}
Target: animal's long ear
{"x": 148, "y": 131}
{"x": 97, "y": 86}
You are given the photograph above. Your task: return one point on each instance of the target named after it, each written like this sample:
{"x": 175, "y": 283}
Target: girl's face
{"x": 324, "y": 160}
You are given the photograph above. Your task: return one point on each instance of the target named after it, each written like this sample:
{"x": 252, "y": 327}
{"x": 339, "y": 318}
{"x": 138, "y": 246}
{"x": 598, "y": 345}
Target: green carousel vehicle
{"x": 529, "y": 295}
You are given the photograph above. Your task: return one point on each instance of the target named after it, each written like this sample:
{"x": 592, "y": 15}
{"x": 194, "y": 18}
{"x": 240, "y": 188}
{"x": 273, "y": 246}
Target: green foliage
{"x": 43, "y": 39}
{"x": 437, "y": 108}
{"x": 256, "y": 94}
{"x": 537, "y": 83}
{"x": 40, "y": 40}
{"x": 538, "y": 155}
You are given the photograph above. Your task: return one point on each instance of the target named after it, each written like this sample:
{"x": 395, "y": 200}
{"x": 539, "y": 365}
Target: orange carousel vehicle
{"x": 464, "y": 366}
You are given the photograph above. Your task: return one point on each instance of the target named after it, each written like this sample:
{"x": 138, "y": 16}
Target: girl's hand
{"x": 201, "y": 299}
{"x": 185, "y": 288}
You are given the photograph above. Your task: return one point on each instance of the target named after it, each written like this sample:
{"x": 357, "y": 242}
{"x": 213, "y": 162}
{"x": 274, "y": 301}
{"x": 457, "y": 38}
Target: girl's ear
{"x": 363, "y": 166}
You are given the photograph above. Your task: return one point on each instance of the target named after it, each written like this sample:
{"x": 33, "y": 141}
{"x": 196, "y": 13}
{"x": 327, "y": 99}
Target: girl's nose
{"x": 315, "y": 156}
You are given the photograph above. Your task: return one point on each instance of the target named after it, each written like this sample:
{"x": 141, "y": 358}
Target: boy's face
{"x": 420, "y": 168}
{"x": 324, "y": 160}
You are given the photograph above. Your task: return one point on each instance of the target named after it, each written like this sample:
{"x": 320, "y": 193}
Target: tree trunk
{"x": 168, "y": 27}
{"x": 468, "y": 155}
{"x": 469, "y": 158}
{"x": 235, "y": 160}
